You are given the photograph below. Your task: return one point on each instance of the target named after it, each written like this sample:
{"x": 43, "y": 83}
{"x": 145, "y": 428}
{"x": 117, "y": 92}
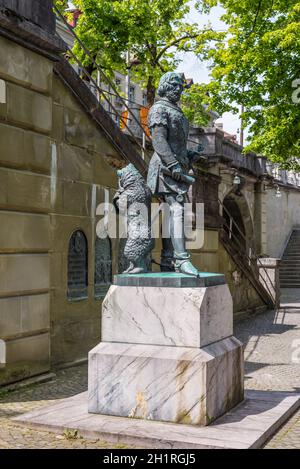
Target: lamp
{"x": 237, "y": 180}
{"x": 278, "y": 193}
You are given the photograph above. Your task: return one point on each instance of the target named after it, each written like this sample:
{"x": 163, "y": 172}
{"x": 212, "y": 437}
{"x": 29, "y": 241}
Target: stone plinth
{"x": 183, "y": 317}
{"x": 167, "y": 352}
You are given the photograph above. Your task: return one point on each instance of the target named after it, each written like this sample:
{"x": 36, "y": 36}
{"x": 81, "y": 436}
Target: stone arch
{"x": 77, "y": 266}
{"x": 236, "y": 204}
{"x": 103, "y": 266}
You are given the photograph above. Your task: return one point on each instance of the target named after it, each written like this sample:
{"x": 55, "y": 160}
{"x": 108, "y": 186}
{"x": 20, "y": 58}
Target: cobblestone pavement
{"x": 272, "y": 356}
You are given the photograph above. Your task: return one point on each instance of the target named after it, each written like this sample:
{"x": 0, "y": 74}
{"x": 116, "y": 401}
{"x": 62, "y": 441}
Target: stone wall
{"x": 245, "y": 298}
{"x": 282, "y": 215}
{"x": 25, "y": 202}
{"x": 54, "y": 171}
{"x": 82, "y": 179}
{"x": 36, "y": 11}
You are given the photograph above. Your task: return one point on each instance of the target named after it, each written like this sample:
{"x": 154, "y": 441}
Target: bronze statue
{"x": 134, "y": 198}
{"x": 168, "y": 176}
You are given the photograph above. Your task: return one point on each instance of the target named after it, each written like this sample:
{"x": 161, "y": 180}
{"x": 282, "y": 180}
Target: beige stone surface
{"x": 24, "y": 232}
{"x": 82, "y": 132}
{"x": 211, "y": 240}
{"x": 37, "y": 150}
{"x": 29, "y": 108}
{"x": 74, "y": 164}
{"x": 206, "y": 261}
{"x": 103, "y": 173}
{"x": 245, "y": 297}
{"x": 24, "y": 150}
{"x": 73, "y": 198}
{"x": 25, "y": 66}
{"x": 28, "y": 349}
{"x": 62, "y": 96}
{"x": 58, "y": 130}
{"x": 22, "y": 190}
{"x": 24, "y": 314}
{"x": 2, "y": 92}
{"x": 287, "y": 210}
{"x": 23, "y": 272}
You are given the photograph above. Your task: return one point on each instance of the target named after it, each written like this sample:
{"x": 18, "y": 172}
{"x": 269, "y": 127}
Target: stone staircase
{"x": 290, "y": 264}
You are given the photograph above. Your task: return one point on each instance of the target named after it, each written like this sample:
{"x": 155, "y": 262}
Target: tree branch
{"x": 176, "y": 41}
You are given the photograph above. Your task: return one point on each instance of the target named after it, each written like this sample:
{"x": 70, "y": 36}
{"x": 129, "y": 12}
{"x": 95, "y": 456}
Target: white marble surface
{"x": 173, "y": 384}
{"x": 185, "y": 317}
{"x": 248, "y": 425}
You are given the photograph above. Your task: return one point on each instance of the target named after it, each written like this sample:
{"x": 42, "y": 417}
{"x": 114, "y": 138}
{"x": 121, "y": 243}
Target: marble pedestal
{"x": 167, "y": 351}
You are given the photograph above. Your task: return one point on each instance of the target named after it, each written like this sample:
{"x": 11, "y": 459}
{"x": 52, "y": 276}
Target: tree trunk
{"x": 150, "y": 91}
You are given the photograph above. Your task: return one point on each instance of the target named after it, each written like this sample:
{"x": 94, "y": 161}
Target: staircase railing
{"x": 249, "y": 264}
{"x": 101, "y": 92}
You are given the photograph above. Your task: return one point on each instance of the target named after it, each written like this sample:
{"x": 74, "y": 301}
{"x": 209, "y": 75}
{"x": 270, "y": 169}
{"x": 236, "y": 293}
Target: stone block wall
{"x": 54, "y": 171}
{"x": 25, "y": 126}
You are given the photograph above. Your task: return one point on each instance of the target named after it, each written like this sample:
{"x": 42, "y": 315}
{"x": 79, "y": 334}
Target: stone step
{"x": 289, "y": 284}
{"x": 289, "y": 272}
{"x": 290, "y": 276}
{"x": 291, "y": 258}
{"x": 291, "y": 280}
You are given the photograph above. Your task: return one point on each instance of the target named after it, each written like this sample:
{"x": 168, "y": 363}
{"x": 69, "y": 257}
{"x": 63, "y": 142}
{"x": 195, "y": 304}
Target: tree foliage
{"x": 153, "y": 31}
{"x": 258, "y": 66}
{"x": 62, "y": 5}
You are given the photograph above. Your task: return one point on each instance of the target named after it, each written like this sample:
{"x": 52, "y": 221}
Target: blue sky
{"x": 193, "y": 68}
{"x": 199, "y": 71}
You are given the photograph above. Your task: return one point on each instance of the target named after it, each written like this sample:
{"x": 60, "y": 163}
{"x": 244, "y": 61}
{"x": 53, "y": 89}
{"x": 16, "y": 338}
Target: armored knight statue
{"x": 134, "y": 198}
{"x": 168, "y": 176}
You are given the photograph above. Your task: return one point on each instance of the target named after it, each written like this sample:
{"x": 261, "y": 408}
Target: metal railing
{"x": 107, "y": 94}
{"x": 252, "y": 263}
{"x": 102, "y": 92}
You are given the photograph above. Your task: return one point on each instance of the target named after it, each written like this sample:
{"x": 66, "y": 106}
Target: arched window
{"x": 78, "y": 266}
{"x": 103, "y": 266}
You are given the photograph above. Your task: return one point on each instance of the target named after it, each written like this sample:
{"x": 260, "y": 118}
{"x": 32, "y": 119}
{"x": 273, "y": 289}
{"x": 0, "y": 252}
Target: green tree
{"x": 62, "y": 5}
{"x": 258, "y": 66}
{"x": 153, "y": 31}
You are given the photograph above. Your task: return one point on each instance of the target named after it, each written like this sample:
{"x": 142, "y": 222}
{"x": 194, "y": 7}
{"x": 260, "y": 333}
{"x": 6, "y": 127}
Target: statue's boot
{"x": 184, "y": 265}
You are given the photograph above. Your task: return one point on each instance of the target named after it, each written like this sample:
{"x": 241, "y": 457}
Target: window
{"x": 118, "y": 100}
{"x": 78, "y": 266}
{"x": 103, "y": 266}
{"x": 145, "y": 101}
{"x": 131, "y": 94}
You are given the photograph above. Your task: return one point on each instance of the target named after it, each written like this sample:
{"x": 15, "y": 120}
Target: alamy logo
{"x": 296, "y": 93}
{"x": 116, "y": 226}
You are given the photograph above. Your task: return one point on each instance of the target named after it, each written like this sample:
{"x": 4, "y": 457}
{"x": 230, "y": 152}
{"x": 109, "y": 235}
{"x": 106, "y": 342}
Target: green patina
{"x": 170, "y": 275}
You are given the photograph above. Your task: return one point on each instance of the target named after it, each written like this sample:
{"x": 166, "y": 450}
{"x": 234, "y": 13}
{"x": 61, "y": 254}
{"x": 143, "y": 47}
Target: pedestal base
{"x": 171, "y": 384}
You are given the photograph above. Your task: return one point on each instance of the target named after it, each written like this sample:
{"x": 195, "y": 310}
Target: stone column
{"x": 167, "y": 351}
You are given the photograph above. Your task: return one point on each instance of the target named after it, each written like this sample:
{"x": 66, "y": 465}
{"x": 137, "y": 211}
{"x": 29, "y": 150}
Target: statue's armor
{"x": 164, "y": 113}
